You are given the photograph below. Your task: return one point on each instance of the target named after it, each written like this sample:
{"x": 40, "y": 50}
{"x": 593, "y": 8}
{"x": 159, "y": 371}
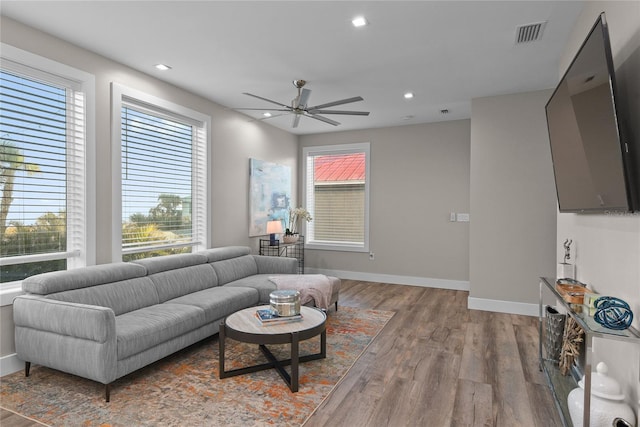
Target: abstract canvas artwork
{"x": 269, "y": 195}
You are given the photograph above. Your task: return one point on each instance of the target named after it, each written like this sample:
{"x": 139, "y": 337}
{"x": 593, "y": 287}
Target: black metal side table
{"x": 281, "y": 249}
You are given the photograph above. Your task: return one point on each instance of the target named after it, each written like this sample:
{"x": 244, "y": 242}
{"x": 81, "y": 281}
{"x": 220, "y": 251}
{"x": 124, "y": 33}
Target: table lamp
{"x": 274, "y": 227}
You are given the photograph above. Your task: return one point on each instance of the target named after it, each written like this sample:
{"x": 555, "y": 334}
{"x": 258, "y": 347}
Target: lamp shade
{"x": 274, "y": 227}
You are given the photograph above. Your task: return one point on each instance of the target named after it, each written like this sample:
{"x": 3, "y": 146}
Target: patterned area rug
{"x": 185, "y": 389}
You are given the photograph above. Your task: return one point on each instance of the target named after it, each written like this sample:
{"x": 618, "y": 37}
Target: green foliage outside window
{"x": 166, "y": 222}
{"x": 48, "y": 235}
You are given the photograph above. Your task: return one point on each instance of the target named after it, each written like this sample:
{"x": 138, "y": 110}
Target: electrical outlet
{"x": 372, "y": 256}
{"x": 452, "y": 217}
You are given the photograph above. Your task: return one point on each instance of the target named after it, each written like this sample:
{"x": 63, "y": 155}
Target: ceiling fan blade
{"x": 272, "y": 117}
{"x": 296, "y": 121}
{"x": 256, "y": 119}
{"x": 260, "y": 109}
{"x": 266, "y": 99}
{"x": 350, "y": 113}
{"x": 323, "y": 119}
{"x": 334, "y": 103}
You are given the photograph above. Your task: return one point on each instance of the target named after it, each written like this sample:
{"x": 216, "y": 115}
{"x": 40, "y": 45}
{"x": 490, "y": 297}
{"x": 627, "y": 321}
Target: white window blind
{"x": 162, "y": 158}
{"x": 42, "y": 160}
{"x": 336, "y": 194}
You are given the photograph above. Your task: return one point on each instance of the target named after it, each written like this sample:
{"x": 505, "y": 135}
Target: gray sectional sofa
{"x": 106, "y": 321}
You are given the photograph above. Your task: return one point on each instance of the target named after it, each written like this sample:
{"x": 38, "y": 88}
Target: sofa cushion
{"x": 170, "y": 262}
{"x": 121, "y": 297}
{"x": 65, "y": 280}
{"x": 229, "y": 270}
{"x": 259, "y": 282}
{"x": 227, "y": 252}
{"x": 142, "y": 329}
{"x": 221, "y": 301}
{"x": 175, "y": 283}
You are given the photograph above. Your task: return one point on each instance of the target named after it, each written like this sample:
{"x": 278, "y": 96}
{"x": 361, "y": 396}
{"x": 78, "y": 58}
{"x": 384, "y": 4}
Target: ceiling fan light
{"x": 359, "y": 21}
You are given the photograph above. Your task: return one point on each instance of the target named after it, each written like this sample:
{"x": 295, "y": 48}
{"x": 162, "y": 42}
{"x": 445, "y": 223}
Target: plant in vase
{"x": 295, "y": 216}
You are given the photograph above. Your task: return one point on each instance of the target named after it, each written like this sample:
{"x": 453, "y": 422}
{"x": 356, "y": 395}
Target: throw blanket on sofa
{"x": 312, "y": 287}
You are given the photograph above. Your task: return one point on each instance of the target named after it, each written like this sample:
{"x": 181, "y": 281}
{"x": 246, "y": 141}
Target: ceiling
{"x": 445, "y": 52}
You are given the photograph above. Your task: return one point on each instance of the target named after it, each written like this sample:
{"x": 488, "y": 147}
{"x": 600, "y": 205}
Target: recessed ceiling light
{"x": 162, "y": 67}
{"x": 407, "y": 117}
{"x": 359, "y": 21}
{"x": 408, "y": 95}
{"x": 266, "y": 114}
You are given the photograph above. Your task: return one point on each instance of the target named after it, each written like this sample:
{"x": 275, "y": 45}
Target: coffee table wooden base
{"x": 262, "y": 339}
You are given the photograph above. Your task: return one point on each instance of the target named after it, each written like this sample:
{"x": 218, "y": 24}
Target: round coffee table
{"x": 245, "y": 327}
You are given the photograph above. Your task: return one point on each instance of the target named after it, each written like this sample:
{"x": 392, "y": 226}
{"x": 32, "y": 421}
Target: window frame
{"x": 81, "y": 249}
{"x": 123, "y": 95}
{"x": 323, "y": 150}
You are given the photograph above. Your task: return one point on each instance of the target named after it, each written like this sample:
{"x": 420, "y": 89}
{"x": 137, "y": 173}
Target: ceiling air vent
{"x": 530, "y": 32}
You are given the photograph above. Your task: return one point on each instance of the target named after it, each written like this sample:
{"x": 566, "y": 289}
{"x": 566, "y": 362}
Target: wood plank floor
{"x": 436, "y": 363}
{"x": 11, "y": 419}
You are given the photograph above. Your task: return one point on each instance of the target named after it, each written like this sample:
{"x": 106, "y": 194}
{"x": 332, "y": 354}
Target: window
{"x": 161, "y": 161}
{"x": 46, "y": 151}
{"x": 336, "y": 193}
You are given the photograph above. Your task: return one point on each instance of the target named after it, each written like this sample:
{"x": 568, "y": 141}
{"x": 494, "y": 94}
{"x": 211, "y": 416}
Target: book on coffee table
{"x": 268, "y": 317}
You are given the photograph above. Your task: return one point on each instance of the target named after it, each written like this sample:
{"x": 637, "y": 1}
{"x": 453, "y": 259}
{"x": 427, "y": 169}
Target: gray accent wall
{"x": 419, "y": 174}
{"x": 513, "y": 199}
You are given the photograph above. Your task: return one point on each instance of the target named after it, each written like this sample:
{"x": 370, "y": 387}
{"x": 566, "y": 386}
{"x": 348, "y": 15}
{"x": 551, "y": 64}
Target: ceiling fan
{"x": 299, "y": 107}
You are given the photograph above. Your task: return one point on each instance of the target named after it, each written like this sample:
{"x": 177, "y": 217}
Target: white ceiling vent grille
{"x": 530, "y": 32}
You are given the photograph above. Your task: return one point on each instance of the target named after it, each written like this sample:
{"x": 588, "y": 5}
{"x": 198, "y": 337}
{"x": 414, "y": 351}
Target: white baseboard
{"x": 10, "y": 364}
{"x": 484, "y": 304}
{"x": 458, "y": 285}
{"x": 500, "y": 306}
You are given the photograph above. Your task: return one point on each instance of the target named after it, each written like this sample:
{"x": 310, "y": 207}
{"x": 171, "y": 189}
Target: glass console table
{"x": 562, "y": 385}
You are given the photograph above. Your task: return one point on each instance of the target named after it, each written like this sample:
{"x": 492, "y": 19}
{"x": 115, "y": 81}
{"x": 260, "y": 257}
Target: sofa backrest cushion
{"x": 66, "y": 280}
{"x": 122, "y": 297}
{"x": 176, "y": 283}
{"x": 227, "y": 252}
{"x": 170, "y": 262}
{"x": 229, "y": 270}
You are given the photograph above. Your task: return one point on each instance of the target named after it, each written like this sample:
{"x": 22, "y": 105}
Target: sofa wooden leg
{"x": 107, "y": 392}
{"x": 27, "y": 368}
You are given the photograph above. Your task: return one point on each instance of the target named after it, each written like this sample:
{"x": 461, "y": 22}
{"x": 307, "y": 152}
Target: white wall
{"x": 233, "y": 141}
{"x": 419, "y": 173}
{"x": 607, "y": 247}
{"x": 513, "y": 202}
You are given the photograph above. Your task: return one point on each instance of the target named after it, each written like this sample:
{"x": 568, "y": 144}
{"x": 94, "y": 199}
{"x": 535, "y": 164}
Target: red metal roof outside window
{"x": 339, "y": 168}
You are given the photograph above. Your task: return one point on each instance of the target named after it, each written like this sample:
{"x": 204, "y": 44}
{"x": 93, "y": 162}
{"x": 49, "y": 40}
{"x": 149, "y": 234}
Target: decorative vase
{"x": 554, "y": 331}
{"x": 290, "y": 238}
{"x": 607, "y": 401}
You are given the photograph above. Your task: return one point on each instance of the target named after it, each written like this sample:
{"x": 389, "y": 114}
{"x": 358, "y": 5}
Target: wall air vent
{"x": 530, "y": 32}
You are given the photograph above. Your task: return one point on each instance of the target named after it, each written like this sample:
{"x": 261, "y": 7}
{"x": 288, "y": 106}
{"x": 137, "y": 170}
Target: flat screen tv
{"x": 591, "y": 161}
